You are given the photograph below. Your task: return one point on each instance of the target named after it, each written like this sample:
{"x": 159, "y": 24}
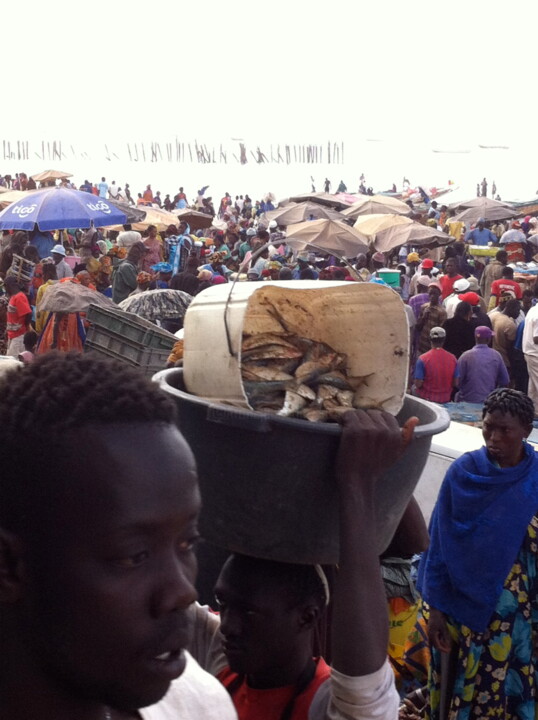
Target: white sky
{"x": 442, "y": 73}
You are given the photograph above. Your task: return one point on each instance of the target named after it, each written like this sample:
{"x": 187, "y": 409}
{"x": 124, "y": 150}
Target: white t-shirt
{"x": 530, "y": 331}
{"x": 369, "y": 697}
{"x": 195, "y": 695}
{"x": 113, "y": 191}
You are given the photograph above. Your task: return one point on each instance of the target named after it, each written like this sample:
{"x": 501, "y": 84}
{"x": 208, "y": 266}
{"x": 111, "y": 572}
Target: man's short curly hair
{"x": 42, "y": 402}
{"x": 506, "y": 400}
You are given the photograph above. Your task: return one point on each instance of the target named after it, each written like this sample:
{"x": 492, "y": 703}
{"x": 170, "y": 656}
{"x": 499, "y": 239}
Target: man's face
{"x": 504, "y": 434}
{"x": 450, "y": 267}
{"x": 112, "y": 572}
{"x": 434, "y": 295}
{"x": 258, "y": 626}
{"x": 57, "y": 257}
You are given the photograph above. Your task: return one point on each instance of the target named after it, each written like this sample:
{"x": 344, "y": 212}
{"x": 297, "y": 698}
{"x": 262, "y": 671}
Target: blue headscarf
{"x": 477, "y": 528}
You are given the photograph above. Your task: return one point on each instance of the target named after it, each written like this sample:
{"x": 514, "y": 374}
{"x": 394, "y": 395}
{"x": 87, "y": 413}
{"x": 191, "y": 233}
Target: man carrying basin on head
{"x": 97, "y": 567}
{"x": 270, "y": 611}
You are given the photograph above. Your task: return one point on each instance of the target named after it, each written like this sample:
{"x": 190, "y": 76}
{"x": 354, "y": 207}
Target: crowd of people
{"x": 98, "y": 627}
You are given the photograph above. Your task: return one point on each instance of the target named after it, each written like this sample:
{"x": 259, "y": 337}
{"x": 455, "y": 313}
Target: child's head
{"x": 30, "y": 340}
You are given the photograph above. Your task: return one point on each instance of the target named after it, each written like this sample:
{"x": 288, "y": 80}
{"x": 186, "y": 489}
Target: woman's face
{"x": 504, "y": 434}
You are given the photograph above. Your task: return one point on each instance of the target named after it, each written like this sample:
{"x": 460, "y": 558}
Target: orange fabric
{"x": 252, "y": 704}
{"x": 61, "y": 333}
{"x": 17, "y": 310}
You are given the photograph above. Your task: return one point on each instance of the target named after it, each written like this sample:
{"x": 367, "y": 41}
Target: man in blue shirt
{"x": 103, "y": 188}
{"x": 481, "y": 369}
{"x": 481, "y": 235}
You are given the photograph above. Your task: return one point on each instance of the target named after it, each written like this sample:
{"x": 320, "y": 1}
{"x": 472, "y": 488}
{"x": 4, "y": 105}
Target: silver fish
{"x": 292, "y": 404}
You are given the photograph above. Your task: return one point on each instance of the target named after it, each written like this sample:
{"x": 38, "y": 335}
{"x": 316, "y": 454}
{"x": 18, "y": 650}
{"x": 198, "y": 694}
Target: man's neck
{"x": 282, "y": 675}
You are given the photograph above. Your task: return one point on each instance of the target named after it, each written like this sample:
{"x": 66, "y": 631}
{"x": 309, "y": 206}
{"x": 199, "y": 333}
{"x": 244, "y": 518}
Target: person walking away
{"x": 18, "y": 317}
{"x": 449, "y": 278}
{"x": 436, "y": 372}
{"x": 102, "y": 188}
{"x": 504, "y": 327}
{"x": 432, "y": 314}
{"x": 459, "y": 330}
{"x": 124, "y": 280}
{"x": 453, "y": 300}
{"x": 113, "y": 191}
{"x": 63, "y": 269}
{"x": 481, "y": 369}
{"x": 492, "y": 272}
{"x": 504, "y": 283}
{"x": 478, "y": 575}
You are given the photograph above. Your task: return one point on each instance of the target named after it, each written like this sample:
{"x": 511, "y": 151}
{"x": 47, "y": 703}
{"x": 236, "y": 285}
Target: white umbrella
{"x": 330, "y": 236}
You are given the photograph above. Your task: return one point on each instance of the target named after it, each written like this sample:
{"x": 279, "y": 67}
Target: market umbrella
{"x": 299, "y": 212}
{"x": 162, "y": 219}
{"x": 376, "y": 204}
{"x": 472, "y": 215}
{"x": 483, "y": 203}
{"x": 68, "y": 297}
{"x": 59, "y": 208}
{"x": 387, "y": 232}
{"x": 158, "y": 304}
{"x": 47, "y": 175}
{"x": 321, "y": 198}
{"x": 134, "y": 214}
{"x": 6, "y": 198}
{"x": 197, "y": 220}
{"x": 330, "y": 236}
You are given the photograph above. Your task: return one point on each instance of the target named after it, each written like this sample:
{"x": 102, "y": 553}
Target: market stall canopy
{"x": 156, "y": 305}
{"x": 478, "y": 202}
{"x": 47, "y": 175}
{"x": 330, "y": 236}
{"x": 59, "y": 208}
{"x": 162, "y": 219}
{"x": 490, "y": 213}
{"x": 376, "y": 204}
{"x": 197, "y": 220}
{"x": 10, "y": 196}
{"x": 393, "y": 231}
{"x": 299, "y": 212}
{"x": 321, "y": 198}
{"x": 71, "y": 296}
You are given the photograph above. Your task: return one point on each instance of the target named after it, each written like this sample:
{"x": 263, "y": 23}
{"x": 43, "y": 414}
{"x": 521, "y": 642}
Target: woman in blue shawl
{"x": 479, "y": 575}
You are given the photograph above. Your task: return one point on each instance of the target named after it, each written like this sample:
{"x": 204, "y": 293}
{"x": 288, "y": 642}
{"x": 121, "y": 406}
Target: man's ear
{"x": 11, "y": 566}
{"x": 309, "y": 616}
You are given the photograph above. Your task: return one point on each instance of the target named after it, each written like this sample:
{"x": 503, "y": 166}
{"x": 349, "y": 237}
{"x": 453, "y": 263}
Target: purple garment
{"x": 417, "y": 301}
{"x": 481, "y": 371}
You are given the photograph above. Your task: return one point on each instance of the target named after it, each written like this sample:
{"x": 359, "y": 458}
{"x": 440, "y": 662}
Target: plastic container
{"x": 267, "y": 482}
{"x": 129, "y": 338}
{"x": 391, "y": 277}
{"x": 365, "y": 321}
{"x": 483, "y": 250}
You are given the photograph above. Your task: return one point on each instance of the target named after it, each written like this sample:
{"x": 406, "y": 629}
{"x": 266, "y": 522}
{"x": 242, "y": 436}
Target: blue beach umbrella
{"x": 60, "y": 208}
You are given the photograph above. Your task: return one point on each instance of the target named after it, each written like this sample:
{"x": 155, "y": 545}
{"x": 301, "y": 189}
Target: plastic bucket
{"x": 365, "y": 321}
{"x": 391, "y": 277}
{"x": 267, "y": 482}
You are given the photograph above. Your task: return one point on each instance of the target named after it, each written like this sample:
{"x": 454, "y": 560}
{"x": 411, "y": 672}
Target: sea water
{"x": 382, "y": 162}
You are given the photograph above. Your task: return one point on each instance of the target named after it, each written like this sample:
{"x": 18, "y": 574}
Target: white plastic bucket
{"x": 365, "y": 321}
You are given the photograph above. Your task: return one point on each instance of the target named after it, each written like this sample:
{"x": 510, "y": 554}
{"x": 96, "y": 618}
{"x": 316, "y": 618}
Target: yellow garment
{"x": 41, "y": 316}
{"x": 402, "y": 619}
{"x": 455, "y": 229}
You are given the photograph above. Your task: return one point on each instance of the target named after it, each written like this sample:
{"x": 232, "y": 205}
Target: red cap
{"x": 471, "y": 297}
{"x": 427, "y": 263}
